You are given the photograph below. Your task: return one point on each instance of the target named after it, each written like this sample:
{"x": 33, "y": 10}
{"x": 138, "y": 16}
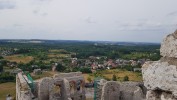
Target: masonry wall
{"x": 112, "y": 90}
{"x": 23, "y": 91}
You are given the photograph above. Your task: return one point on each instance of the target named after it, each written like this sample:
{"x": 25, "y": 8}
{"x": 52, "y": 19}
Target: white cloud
{"x": 7, "y": 4}
{"x": 88, "y": 19}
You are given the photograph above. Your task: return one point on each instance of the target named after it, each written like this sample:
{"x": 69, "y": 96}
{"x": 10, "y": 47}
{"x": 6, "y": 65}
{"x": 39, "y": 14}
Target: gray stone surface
{"x": 43, "y": 91}
{"x": 132, "y": 91}
{"x": 169, "y": 46}
{"x": 159, "y": 95}
{"x": 160, "y": 76}
{"x": 111, "y": 90}
{"x": 23, "y": 91}
{"x": 64, "y": 86}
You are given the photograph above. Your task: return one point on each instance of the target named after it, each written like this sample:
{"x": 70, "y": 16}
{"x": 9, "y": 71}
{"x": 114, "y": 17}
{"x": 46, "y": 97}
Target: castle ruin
{"x": 159, "y": 77}
{"x": 64, "y": 86}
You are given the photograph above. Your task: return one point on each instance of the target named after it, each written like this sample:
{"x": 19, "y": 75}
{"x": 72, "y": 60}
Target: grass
{"x": 58, "y": 55}
{"x": 86, "y": 77}
{"x": 133, "y": 76}
{"x": 44, "y": 74}
{"x": 19, "y": 58}
{"x": 7, "y": 88}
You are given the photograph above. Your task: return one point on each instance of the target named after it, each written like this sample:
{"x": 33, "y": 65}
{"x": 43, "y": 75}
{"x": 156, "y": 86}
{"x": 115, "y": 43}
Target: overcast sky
{"x": 108, "y": 20}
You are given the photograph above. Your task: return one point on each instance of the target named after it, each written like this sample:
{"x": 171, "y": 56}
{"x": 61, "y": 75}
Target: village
{"x": 93, "y": 63}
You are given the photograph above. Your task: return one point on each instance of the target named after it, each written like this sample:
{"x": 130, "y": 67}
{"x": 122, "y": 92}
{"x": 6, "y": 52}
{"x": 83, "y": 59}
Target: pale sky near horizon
{"x": 103, "y": 20}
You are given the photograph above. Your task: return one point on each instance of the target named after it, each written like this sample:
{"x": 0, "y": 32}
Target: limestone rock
{"x": 132, "y": 91}
{"x": 161, "y": 76}
{"x": 43, "y": 91}
{"x": 159, "y": 95}
{"x": 169, "y": 46}
{"x": 111, "y": 91}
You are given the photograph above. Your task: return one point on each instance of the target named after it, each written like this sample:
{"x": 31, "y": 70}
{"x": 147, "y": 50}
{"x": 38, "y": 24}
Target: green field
{"x": 7, "y": 88}
{"x": 19, "y": 58}
{"x": 120, "y": 74}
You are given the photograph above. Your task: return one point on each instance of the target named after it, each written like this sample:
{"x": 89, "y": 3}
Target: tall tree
{"x": 114, "y": 77}
{"x": 1, "y": 68}
{"x": 60, "y": 68}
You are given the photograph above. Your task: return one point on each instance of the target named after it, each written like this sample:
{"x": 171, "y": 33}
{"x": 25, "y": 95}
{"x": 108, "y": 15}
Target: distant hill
{"x": 37, "y": 41}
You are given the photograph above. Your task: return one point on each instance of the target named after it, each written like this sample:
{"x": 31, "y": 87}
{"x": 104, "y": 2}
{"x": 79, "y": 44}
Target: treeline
{"x": 6, "y": 77}
{"x": 85, "y": 49}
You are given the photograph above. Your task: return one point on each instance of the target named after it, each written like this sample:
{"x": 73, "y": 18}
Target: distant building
{"x": 137, "y": 69}
{"x": 15, "y": 71}
{"x": 37, "y": 71}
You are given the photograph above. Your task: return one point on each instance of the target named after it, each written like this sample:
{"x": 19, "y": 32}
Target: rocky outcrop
{"x": 111, "y": 90}
{"x": 23, "y": 91}
{"x": 63, "y": 86}
{"x": 160, "y": 77}
{"x": 169, "y": 46}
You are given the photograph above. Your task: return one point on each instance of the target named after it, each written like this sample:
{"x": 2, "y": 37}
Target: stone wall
{"x": 160, "y": 77}
{"x": 23, "y": 91}
{"x": 111, "y": 90}
{"x": 64, "y": 86}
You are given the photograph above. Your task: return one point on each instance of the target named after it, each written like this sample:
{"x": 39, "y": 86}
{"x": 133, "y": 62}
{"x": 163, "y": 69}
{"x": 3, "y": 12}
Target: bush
{"x": 89, "y": 79}
{"x": 6, "y": 77}
{"x": 114, "y": 77}
{"x": 60, "y": 68}
{"x": 126, "y": 78}
{"x": 1, "y": 57}
{"x": 85, "y": 70}
{"x": 1, "y": 68}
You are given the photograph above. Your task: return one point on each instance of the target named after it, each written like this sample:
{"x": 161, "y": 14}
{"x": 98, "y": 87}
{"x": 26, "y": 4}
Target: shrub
{"x": 114, "y": 77}
{"x": 60, "y": 68}
{"x": 126, "y": 78}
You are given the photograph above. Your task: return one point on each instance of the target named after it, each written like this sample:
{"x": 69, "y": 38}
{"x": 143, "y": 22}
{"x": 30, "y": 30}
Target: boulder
{"x": 169, "y": 46}
{"x": 160, "y": 76}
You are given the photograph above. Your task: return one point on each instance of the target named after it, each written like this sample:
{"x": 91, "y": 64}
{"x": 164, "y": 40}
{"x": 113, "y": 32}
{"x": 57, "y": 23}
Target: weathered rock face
{"x": 111, "y": 90}
{"x": 169, "y": 46}
{"x": 160, "y": 77}
{"x": 159, "y": 95}
{"x": 43, "y": 91}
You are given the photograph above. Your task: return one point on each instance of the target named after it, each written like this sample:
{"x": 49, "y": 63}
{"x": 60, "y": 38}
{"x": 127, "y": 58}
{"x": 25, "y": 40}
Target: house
{"x": 12, "y": 64}
{"x": 133, "y": 63}
{"x": 137, "y": 69}
{"x": 37, "y": 71}
{"x": 15, "y": 71}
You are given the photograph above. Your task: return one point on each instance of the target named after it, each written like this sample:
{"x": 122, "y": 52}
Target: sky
{"x": 98, "y": 20}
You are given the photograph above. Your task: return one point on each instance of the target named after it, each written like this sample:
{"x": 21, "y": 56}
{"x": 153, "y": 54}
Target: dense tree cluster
{"x": 86, "y": 49}
{"x": 6, "y": 77}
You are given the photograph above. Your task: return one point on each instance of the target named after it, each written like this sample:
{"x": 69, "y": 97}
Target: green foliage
{"x": 60, "y": 68}
{"x": 3, "y": 62}
{"x": 22, "y": 51}
{"x": 98, "y": 74}
{"x": 1, "y": 57}
{"x": 114, "y": 77}
{"x": 75, "y": 69}
{"x": 89, "y": 79}
{"x": 128, "y": 67}
{"x": 6, "y": 77}
{"x": 107, "y": 79}
{"x": 85, "y": 49}
{"x": 1, "y": 68}
{"x": 126, "y": 78}
{"x": 25, "y": 67}
{"x": 85, "y": 70}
